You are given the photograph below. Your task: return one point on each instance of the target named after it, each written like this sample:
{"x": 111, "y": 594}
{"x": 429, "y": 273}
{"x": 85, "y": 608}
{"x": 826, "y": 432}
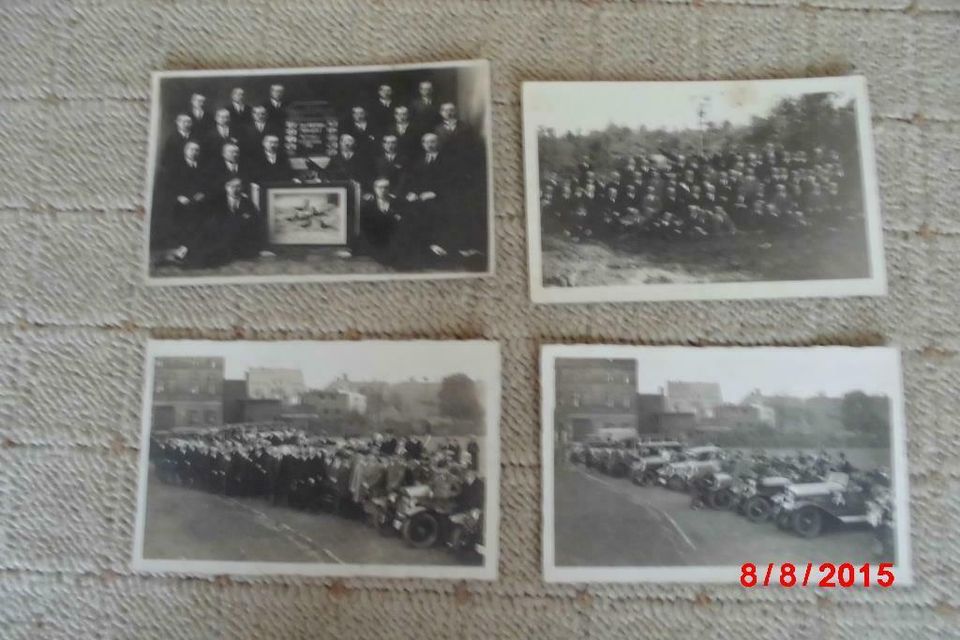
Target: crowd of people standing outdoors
{"x": 690, "y": 195}
{"x": 289, "y": 468}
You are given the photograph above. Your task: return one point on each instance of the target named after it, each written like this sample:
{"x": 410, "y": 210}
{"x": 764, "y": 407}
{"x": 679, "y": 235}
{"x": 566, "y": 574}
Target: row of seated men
{"x": 436, "y": 177}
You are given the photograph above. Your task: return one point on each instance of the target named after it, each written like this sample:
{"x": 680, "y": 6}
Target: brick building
{"x": 187, "y": 392}
{"x": 594, "y": 395}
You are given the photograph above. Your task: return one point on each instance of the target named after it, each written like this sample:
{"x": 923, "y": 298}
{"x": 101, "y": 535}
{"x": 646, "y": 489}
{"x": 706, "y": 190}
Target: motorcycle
{"x": 466, "y": 534}
{"x": 380, "y": 512}
{"x": 421, "y": 519}
{"x": 880, "y": 517}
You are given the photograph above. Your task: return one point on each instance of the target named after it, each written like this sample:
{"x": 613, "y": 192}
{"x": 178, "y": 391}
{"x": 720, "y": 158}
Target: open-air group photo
{"x": 320, "y": 174}
{"x": 673, "y": 464}
{"x": 322, "y": 458}
{"x": 700, "y": 190}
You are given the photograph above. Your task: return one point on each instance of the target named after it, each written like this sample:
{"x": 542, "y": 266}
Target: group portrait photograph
{"x": 701, "y": 190}
{"x": 320, "y": 458}
{"x": 350, "y": 173}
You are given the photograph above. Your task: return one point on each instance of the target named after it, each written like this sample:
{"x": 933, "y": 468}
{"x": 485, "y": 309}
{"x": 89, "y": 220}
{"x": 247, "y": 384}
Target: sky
{"x": 798, "y": 372}
{"x": 323, "y": 362}
{"x": 590, "y": 106}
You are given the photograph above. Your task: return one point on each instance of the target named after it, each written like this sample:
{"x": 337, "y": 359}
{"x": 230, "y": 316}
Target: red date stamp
{"x": 827, "y": 575}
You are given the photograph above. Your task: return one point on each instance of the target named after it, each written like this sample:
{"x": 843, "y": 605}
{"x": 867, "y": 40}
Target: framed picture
{"x": 313, "y": 215}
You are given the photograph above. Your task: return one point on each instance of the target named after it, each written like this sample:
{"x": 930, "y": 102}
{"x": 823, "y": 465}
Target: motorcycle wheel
{"x": 422, "y": 530}
{"x": 808, "y": 522}
{"x": 783, "y": 521}
{"x": 757, "y": 509}
{"x": 721, "y": 499}
{"x": 676, "y": 483}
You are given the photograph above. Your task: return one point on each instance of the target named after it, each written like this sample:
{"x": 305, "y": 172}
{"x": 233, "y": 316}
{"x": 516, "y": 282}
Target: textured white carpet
{"x": 74, "y": 314}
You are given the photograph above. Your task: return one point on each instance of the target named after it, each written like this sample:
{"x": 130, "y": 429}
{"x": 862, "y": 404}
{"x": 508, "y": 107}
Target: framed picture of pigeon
{"x": 319, "y": 216}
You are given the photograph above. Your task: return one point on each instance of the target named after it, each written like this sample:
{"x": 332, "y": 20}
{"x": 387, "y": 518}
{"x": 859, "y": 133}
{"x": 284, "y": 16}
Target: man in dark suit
{"x": 351, "y": 163}
{"x": 186, "y": 180}
{"x": 424, "y": 110}
{"x": 454, "y": 134}
{"x": 222, "y": 132}
{"x": 408, "y": 138}
{"x": 458, "y": 142}
{"x": 429, "y": 175}
{"x": 202, "y": 118}
{"x": 273, "y": 165}
{"x": 228, "y": 167}
{"x": 232, "y": 230}
{"x": 276, "y": 107}
{"x": 239, "y": 111}
{"x": 184, "y": 190}
{"x": 380, "y": 220}
{"x": 363, "y": 131}
{"x": 172, "y": 152}
{"x": 258, "y": 128}
{"x": 381, "y": 112}
{"x": 426, "y": 188}
{"x": 389, "y": 163}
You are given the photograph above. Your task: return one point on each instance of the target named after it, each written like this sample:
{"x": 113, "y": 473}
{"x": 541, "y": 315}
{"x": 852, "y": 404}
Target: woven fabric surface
{"x": 75, "y": 314}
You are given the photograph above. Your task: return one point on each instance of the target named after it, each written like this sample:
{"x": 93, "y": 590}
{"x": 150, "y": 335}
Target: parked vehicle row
{"x": 804, "y": 494}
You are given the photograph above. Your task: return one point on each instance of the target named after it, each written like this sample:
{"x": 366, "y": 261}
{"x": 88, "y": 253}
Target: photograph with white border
{"x": 406, "y": 148}
{"x": 681, "y": 464}
{"x": 360, "y": 458}
{"x": 701, "y": 190}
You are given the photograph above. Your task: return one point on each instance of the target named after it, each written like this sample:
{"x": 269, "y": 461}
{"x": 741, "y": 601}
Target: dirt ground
{"x": 813, "y": 253}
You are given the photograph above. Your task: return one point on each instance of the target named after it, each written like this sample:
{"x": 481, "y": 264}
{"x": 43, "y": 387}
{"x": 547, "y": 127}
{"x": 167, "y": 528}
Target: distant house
{"x": 328, "y": 403}
{"x": 698, "y": 398}
{"x": 264, "y": 383}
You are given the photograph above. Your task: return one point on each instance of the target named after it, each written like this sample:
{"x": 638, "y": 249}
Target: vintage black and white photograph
{"x": 320, "y": 174}
{"x": 680, "y": 464}
{"x": 363, "y": 458}
{"x": 701, "y": 190}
